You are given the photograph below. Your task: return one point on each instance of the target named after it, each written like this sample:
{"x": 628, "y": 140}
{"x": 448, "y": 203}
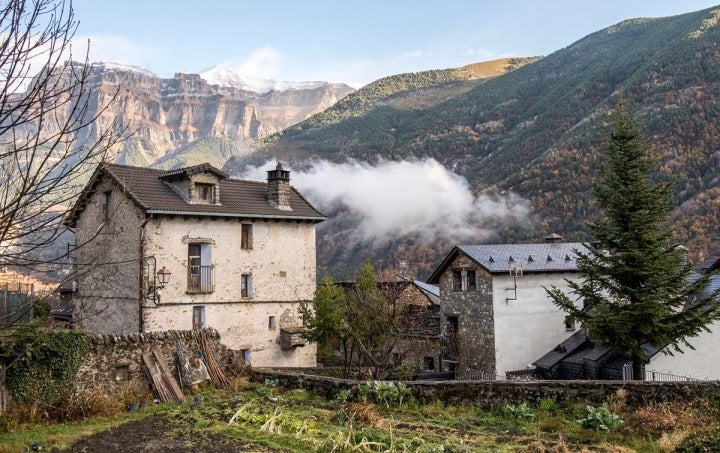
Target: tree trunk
{"x": 637, "y": 367}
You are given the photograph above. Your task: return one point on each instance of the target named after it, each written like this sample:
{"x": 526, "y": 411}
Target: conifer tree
{"x": 641, "y": 289}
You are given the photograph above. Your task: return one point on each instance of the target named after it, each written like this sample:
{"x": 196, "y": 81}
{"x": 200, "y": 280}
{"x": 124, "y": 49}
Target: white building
{"x": 496, "y": 314}
{"x": 702, "y": 361}
{"x": 240, "y": 254}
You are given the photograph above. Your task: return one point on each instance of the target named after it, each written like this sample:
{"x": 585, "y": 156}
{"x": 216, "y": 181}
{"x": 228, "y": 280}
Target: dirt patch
{"x": 158, "y": 434}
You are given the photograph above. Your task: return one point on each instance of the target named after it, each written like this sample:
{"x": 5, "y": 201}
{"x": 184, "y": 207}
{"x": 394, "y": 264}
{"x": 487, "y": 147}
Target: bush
{"x": 42, "y": 363}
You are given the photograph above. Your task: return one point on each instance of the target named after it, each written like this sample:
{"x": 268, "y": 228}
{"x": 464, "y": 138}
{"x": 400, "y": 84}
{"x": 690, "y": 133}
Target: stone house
{"x": 415, "y": 306}
{"x": 496, "y": 316}
{"x": 238, "y": 256}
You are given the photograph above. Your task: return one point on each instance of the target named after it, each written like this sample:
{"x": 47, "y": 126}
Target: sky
{"x": 349, "y": 41}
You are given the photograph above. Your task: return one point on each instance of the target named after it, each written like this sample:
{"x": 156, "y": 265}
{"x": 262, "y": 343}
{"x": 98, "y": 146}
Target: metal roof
{"x": 431, "y": 291}
{"x": 544, "y": 257}
{"x": 148, "y": 189}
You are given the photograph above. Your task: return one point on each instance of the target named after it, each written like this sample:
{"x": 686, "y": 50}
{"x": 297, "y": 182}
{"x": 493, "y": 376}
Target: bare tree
{"x": 47, "y": 114}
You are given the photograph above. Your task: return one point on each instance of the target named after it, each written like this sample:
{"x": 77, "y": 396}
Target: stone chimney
{"x": 278, "y": 186}
{"x": 553, "y": 238}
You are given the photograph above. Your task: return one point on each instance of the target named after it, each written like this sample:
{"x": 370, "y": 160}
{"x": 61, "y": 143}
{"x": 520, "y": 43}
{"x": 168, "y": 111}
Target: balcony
{"x": 200, "y": 280}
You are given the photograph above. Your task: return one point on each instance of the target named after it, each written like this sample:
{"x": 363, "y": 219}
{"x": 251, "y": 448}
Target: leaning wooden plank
{"x": 169, "y": 378}
{"x": 155, "y": 377}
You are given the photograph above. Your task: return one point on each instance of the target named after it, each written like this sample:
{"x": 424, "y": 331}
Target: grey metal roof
{"x": 238, "y": 198}
{"x": 564, "y": 349}
{"x": 431, "y": 291}
{"x": 544, "y": 257}
{"x": 713, "y": 285}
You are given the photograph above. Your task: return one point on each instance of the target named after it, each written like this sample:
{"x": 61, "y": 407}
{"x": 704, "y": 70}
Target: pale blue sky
{"x": 347, "y": 41}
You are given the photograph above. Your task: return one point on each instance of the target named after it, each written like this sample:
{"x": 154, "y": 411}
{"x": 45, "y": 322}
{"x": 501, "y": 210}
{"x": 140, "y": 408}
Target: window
{"x": 200, "y": 269}
{"x": 198, "y": 318}
{"x": 204, "y": 192}
{"x": 246, "y": 285}
{"x": 246, "y": 356}
{"x": 471, "y": 281}
{"x": 272, "y": 323}
{"x": 106, "y": 206}
{"x": 569, "y": 324}
{"x": 246, "y": 237}
{"x": 122, "y": 373}
{"x": 457, "y": 280}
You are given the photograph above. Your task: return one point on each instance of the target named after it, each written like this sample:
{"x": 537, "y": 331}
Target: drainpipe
{"x": 141, "y": 293}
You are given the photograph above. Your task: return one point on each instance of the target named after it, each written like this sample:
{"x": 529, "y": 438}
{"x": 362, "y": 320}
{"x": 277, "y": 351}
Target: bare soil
{"x": 162, "y": 435}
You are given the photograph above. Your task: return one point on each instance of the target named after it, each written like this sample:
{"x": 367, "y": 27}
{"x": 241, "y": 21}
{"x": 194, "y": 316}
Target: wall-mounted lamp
{"x": 155, "y": 284}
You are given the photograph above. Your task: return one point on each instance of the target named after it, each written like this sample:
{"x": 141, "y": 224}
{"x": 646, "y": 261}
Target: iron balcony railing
{"x": 200, "y": 280}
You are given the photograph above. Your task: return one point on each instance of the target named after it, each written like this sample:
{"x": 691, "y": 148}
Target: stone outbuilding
{"x": 183, "y": 249}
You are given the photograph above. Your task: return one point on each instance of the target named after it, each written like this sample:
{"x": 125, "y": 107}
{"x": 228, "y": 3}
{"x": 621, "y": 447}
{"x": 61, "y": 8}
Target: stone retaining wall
{"x": 491, "y": 393}
{"x": 114, "y": 362}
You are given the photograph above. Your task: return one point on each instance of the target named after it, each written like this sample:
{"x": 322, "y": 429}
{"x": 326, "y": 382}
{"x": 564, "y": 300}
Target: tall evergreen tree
{"x": 641, "y": 289}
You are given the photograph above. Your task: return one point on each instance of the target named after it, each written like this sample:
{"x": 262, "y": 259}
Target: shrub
{"x": 42, "y": 363}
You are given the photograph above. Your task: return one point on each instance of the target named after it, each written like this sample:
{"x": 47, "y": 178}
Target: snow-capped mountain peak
{"x": 225, "y": 76}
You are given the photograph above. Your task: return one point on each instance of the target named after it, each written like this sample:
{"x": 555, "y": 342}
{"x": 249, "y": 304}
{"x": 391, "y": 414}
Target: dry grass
{"x": 366, "y": 414}
{"x": 669, "y": 442}
{"x": 673, "y": 416}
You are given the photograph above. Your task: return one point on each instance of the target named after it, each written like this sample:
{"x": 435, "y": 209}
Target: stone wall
{"x": 114, "y": 362}
{"x": 491, "y": 393}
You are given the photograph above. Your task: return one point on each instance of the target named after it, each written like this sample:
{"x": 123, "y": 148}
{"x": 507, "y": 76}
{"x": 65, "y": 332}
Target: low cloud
{"x": 391, "y": 199}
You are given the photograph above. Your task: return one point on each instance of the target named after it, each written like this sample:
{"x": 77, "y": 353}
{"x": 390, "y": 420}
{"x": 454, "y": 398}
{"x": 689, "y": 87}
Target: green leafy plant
{"x": 387, "y": 393}
{"x": 518, "y": 412}
{"x": 42, "y": 363}
{"x": 600, "y": 418}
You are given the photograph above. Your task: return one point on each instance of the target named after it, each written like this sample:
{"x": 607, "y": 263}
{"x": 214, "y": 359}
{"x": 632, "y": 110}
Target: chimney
{"x": 553, "y": 238}
{"x": 278, "y": 187}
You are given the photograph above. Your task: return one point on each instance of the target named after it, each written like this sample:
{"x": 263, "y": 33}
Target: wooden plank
{"x": 170, "y": 379}
{"x": 156, "y": 378}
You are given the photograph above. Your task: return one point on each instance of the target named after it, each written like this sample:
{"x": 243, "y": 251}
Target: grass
{"x": 299, "y": 421}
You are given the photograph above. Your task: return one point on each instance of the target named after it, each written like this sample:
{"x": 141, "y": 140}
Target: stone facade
{"x": 281, "y": 265}
{"x": 467, "y": 319}
{"x": 108, "y": 243}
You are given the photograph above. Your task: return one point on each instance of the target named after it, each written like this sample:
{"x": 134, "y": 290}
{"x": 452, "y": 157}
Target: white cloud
{"x": 262, "y": 63}
{"x": 391, "y": 199}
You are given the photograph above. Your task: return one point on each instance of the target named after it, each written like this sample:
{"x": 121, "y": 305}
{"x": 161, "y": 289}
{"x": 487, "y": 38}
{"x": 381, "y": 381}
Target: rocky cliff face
{"x": 168, "y": 118}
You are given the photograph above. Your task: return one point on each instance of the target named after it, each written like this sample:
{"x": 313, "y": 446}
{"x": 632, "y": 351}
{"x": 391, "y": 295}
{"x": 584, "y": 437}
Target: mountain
{"x": 537, "y": 130}
{"x": 187, "y": 120}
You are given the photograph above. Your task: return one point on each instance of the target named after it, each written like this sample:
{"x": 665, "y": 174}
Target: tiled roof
{"x": 503, "y": 258}
{"x": 544, "y": 257}
{"x": 238, "y": 198}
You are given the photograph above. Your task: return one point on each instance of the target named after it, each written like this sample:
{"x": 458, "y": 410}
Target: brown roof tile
{"x": 238, "y": 198}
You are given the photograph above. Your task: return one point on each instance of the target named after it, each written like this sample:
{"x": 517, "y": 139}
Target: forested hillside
{"x": 537, "y": 130}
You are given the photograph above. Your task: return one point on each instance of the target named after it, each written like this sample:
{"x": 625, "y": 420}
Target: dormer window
{"x": 204, "y": 192}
